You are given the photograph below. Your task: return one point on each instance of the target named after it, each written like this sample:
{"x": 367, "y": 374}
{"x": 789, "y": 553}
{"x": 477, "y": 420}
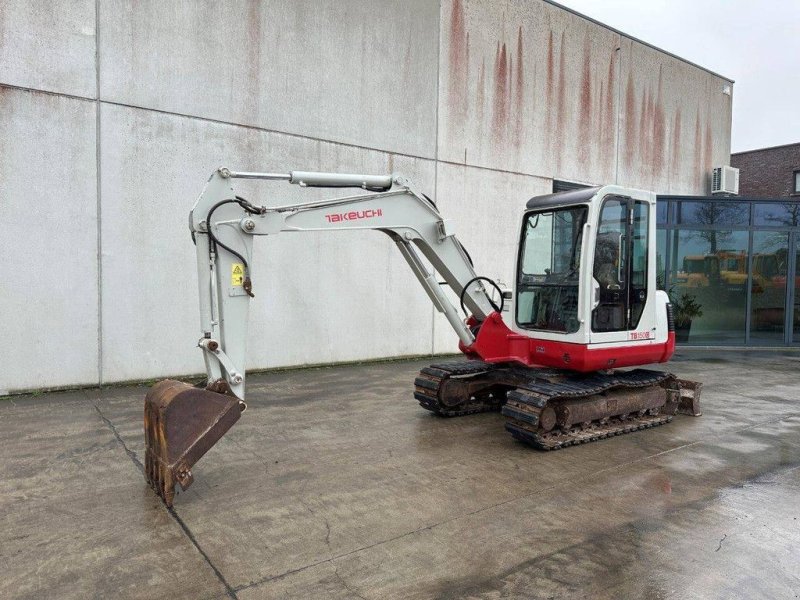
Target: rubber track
{"x": 431, "y": 379}
{"x": 525, "y": 404}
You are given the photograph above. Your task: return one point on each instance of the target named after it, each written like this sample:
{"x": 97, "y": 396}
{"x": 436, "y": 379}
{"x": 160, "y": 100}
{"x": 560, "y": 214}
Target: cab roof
{"x": 579, "y": 196}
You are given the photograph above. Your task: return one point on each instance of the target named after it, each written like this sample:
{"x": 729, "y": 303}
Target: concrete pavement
{"x": 335, "y": 484}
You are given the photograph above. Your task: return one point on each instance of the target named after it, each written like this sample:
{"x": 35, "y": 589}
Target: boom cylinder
{"x": 377, "y": 183}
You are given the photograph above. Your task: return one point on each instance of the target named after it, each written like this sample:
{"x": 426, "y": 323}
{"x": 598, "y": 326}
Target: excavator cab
{"x": 612, "y": 232}
{"x": 585, "y": 295}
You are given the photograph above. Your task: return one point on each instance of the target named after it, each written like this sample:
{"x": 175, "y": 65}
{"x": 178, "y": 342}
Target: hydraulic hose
{"x": 492, "y": 302}
{"x": 248, "y": 207}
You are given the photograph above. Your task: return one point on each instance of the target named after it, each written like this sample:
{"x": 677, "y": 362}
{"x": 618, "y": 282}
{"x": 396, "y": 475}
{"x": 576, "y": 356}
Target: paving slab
{"x": 334, "y": 484}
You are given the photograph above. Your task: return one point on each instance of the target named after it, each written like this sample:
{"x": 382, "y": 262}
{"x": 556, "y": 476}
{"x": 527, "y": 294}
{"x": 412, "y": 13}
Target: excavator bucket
{"x": 689, "y": 403}
{"x": 181, "y": 423}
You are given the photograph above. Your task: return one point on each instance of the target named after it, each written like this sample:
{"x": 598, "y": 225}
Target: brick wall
{"x": 767, "y": 172}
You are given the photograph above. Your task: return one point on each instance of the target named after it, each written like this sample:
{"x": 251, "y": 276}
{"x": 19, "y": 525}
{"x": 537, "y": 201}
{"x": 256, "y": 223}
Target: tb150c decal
{"x": 640, "y": 335}
{"x": 354, "y": 215}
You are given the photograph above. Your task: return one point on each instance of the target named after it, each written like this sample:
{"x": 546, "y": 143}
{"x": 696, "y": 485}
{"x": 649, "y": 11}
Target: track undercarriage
{"x": 550, "y": 408}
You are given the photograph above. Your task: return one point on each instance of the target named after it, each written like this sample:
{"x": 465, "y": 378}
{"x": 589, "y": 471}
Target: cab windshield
{"x": 550, "y": 257}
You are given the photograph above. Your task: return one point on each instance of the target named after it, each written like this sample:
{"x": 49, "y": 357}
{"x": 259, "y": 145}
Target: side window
{"x": 610, "y": 267}
{"x": 638, "y": 283}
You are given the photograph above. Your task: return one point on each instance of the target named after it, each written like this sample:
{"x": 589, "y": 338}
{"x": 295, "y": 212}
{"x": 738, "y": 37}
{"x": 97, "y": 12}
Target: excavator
{"x": 552, "y": 353}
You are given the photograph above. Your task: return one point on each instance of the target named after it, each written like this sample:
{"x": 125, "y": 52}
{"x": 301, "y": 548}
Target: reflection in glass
{"x": 796, "y": 328}
{"x": 661, "y": 212}
{"x": 713, "y": 213}
{"x": 547, "y": 282}
{"x": 768, "y": 294}
{"x": 661, "y": 259}
{"x": 776, "y": 214}
{"x": 709, "y": 269}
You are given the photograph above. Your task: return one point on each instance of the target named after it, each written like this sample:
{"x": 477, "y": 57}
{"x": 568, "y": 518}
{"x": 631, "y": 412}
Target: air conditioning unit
{"x": 725, "y": 180}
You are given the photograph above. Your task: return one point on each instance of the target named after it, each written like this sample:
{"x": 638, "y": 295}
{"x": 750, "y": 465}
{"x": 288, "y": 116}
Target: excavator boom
{"x": 182, "y": 422}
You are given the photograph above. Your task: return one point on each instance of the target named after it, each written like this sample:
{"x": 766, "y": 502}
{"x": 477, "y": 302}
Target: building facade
{"x": 113, "y": 114}
{"x": 732, "y": 268}
{"x": 769, "y": 172}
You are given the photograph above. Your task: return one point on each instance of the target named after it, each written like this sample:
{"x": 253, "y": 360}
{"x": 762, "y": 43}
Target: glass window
{"x": 547, "y": 285}
{"x": 709, "y": 286}
{"x": 638, "y": 279}
{"x": 797, "y": 182}
{"x": 713, "y": 213}
{"x": 661, "y": 259}
{"x": 777, "y": 214}
{"x": 610, "y": 267}
{"x": 661, "y": 212}
{"x": 768, "y": 290}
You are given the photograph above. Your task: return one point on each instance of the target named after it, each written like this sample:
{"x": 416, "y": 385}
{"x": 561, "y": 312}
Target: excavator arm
{"x": 223, "y": 235}
{"x": 182, "y": 422}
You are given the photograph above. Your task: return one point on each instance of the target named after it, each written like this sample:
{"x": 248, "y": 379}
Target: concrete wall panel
{"x": 529, "y": 87}
{"x": 675, "y": 122}
{"x": 48, "y": 272}
{"x": 320, "y": 297}
{"x": 49, "y": 45}
{"x": 487, "y": 207}
{"x": 351, "y": 71}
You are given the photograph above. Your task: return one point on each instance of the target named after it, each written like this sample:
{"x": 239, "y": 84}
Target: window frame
{"x": 520, "y": 261}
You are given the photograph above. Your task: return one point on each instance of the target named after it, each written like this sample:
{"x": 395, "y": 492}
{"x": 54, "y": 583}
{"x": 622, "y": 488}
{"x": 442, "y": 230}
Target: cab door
{"x": 620, "y": 264}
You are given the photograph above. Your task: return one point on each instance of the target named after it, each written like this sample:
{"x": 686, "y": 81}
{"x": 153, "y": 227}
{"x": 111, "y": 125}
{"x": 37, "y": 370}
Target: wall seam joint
{"x": 98, "y": 208}
{"x": 436, "y": 150}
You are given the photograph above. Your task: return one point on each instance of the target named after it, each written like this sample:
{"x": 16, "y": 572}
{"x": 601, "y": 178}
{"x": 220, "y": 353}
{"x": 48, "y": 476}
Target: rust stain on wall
{"x": 652, "y": 131}
{"x": 643, "y": 142}
{"x": 560, "y": 105}
{"x": 630, "y": 150}
{"x": 699, "y": 160}
{"x": 708, "y": 150}
{"x": 549, "y": 91}
{"x": 608, "y": 122}
{"x": 585, "y": 116}
{"x": 519, "y": 96}
{"x": 500, "y": 100}
{"x": 659, "y": 128}
{"x": 550, "y": 67}
{"x": 675, "y": 160}
{"x": 458, "y": 57}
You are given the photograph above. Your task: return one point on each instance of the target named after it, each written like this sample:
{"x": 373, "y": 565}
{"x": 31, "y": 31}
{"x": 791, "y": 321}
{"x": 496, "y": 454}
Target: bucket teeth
{"x": 689, "y": 402}
{"x": 181, "y": 423}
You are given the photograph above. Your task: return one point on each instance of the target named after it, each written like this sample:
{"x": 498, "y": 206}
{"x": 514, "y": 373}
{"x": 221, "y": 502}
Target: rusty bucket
{"x": 689, "y": 403}
{"x": 181, "y": 423}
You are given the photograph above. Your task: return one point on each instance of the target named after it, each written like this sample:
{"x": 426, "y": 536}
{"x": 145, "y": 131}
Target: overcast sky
{"x": 756, "y": 43}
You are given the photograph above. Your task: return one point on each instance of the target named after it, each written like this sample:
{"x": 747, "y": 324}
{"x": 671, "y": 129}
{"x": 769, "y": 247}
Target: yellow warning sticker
{"x": 237, "y": 274}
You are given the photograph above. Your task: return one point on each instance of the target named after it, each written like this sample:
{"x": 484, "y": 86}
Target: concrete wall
{"x": 113, "y": 113}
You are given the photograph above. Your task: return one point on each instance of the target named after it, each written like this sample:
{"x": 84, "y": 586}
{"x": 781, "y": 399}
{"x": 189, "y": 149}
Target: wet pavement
{"x": 335, "y": 484}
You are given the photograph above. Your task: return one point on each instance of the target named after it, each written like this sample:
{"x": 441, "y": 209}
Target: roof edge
{"x": 766, "y": 148}
{"x": 635, "y": 39}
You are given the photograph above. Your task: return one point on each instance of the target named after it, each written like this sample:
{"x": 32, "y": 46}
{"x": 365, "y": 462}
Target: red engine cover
{"x": 497, "y": 343}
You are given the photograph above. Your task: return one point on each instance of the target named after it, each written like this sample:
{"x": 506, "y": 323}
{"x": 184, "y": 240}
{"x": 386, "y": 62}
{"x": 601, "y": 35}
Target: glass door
{"x": 793, "y": 285}
{"x": 771, "y": 263}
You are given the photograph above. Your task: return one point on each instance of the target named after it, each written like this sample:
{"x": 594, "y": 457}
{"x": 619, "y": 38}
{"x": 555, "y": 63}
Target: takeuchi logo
{"x": 354, "y": 215}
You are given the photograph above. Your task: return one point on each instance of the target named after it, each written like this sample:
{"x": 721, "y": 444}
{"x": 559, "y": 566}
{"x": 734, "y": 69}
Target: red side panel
{"x": 497, "y": 343}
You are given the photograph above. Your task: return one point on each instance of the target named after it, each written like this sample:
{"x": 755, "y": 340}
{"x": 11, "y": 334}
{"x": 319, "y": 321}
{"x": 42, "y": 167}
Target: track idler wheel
{"x": 181, "y": 423}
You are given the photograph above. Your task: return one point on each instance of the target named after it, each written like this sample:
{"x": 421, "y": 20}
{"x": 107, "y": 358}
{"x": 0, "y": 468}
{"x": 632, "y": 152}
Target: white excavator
{"x": 549, "y": 353}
